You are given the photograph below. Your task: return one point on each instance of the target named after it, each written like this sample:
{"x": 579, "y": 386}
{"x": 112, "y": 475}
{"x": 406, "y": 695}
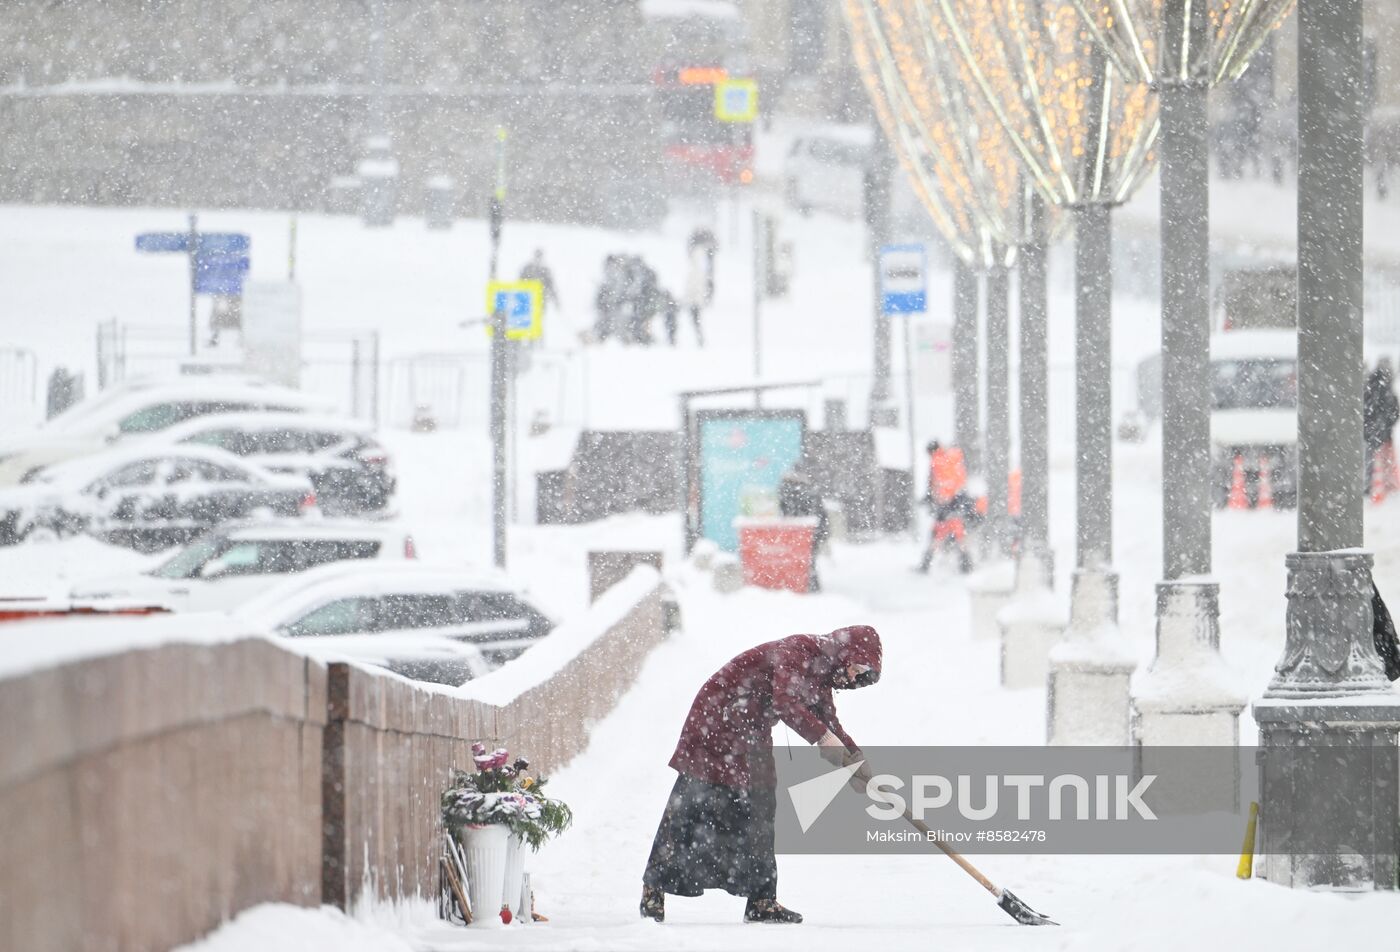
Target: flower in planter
{"x": 499, "y": 791}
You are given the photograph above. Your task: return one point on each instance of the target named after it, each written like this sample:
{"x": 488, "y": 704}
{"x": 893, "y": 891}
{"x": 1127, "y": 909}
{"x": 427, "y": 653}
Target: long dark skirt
{"x": 715, "y": 837}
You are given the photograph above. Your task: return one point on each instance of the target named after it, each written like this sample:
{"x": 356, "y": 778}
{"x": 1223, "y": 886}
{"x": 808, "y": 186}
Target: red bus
{"x": 697, "y": 145}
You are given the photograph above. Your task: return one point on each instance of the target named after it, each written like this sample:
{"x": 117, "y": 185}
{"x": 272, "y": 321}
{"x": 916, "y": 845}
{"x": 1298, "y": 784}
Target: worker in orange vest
{"x": 947, "y": 498}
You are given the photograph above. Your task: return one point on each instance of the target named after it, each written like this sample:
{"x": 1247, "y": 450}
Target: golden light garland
{"x": 1083, "y": 130}
{"x": 955, "y": 153}
{"x": 1134, "y": 34}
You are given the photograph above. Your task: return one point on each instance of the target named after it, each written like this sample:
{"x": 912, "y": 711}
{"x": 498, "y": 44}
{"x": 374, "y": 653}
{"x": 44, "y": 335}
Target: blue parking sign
{"x": 523, "y": 302}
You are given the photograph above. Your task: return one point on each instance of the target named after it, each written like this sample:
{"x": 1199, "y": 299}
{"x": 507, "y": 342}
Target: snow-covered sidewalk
{"x": 940, "y": 687}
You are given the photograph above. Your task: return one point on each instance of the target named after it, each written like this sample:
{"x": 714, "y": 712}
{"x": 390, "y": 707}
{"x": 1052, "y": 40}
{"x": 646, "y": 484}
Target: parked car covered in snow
{"x": 352, "y": 598}
{"x": 226, "y": 567}
{"x": 147, "y": 498}
{"x": 827, "y": 171}
{"x": 350, "y": 470}
{"x": 139, "y": 410}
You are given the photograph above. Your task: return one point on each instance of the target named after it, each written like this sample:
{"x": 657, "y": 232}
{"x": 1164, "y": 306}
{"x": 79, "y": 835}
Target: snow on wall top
{"x": 30, "y": 646}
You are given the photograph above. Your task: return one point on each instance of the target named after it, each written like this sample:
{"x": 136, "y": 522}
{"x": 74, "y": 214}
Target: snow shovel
{"x": 1007, "y": 901}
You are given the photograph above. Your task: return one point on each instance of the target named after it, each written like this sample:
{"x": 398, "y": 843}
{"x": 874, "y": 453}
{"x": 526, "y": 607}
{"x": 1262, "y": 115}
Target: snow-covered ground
{"x": 64, "y": 270}
{"x": 940, "y": 688}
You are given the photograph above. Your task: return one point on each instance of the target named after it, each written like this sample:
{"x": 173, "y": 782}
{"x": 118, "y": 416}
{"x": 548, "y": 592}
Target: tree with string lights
{"x": 960, "y": 165}
{"x": 1084, "y": 134}
{"x": 1180, "y": 49}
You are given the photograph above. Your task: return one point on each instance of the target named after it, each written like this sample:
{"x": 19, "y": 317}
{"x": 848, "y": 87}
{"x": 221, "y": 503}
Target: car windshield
{"x": 187, "y": 562}
{"x": 1254, "y": 384}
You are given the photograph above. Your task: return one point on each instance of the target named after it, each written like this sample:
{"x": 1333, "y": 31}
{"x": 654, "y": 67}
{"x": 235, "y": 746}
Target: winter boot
{"x": 769, "y": 910}
{"x": 653, "y": 903}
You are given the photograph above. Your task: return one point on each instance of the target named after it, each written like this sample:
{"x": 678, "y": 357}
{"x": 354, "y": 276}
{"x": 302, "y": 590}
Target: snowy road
{"x": 940, "y": 687}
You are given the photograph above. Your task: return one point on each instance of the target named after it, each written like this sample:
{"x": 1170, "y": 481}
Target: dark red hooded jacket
{"x": 727, "y": 737}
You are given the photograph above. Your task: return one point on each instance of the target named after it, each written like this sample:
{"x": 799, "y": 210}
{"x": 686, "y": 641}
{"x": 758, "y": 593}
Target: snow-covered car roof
{"x": 1259, "y": 344}
{"x": 85, "y": 418}
{"x": 307, "y": 590}
{"x": 682, "y": 9}
{"x": 255, "y": 420}
{"x": 862, "y": 136}
{"x": 80, "y": 471}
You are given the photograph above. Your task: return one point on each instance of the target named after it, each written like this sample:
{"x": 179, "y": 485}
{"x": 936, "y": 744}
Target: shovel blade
{"x": 1021, "y": 912}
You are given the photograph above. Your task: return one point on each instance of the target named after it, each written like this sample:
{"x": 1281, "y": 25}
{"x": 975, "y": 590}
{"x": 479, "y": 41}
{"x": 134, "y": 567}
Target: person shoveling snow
{"x": 717, "y": 831}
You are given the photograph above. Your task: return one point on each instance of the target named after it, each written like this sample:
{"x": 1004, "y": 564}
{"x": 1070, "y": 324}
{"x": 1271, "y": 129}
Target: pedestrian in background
{"x": 609, "y": 300}
{"x": 536, "y": 270}
{"x": 699, "y": 278}
{"x": 951, "y": 506}
{"x": 798, "y": 498}
{"x": 1381, "y": 412}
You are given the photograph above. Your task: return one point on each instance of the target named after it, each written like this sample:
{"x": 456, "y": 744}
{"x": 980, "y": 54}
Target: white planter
{"x": 486, "y": 849}
{"x": 515, "y": 878}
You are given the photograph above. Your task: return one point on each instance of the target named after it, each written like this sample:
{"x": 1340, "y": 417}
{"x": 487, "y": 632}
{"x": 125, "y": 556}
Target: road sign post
{"x": 903, "y": 279}
{"x": 219, "y": 261}
{"x": 904, "y": 291}
{"x": 523, "y": 304}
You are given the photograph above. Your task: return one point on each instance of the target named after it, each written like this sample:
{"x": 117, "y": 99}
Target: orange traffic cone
{"x": 1237, "y": 499}
{"x": 1265, "y": 495}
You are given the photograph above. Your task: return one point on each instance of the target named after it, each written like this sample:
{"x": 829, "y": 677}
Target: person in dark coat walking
{"x": 536, "y": 270}
{"x": 717, "y": 831}
{"x": 798, "y": 498}
{"x": 1382, "y": 411}
{"x": 610, "y": 300}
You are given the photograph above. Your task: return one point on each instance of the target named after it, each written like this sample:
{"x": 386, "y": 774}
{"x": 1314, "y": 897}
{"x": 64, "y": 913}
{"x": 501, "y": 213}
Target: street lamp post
{"x": 967, "y": 410}
{"x": 998, "y": 283}
{"x": 1329, "y": 687}
{"x": 500, "y": 369}
{"x": 1181, "y": 48}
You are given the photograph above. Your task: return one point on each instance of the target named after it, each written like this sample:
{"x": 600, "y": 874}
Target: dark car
{"x": 350, "y": 470}
{"x": 147, "y": 499}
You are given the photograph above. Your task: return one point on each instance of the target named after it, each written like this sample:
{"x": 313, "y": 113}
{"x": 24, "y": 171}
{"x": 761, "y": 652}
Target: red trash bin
{"x": 777, "y": 553}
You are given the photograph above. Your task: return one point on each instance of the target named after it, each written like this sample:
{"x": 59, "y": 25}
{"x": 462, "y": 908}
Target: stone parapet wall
{"x": 149, "y": 795}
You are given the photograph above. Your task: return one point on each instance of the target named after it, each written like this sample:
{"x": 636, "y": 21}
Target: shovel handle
{"x": 864, "y": 774}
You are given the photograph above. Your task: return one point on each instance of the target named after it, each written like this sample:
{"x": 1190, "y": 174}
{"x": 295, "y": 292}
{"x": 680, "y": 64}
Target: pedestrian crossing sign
{"x": 523, "y": 302}
{"x": 736, "y": 100}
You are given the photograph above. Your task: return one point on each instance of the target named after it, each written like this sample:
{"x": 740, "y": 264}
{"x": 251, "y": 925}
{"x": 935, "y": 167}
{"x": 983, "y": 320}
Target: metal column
{"x": 998, "y": 403}
{"x": 967, "y": 413}
{"x": 1185, "y": 235}
{"x": 1093, "y": 412}
{"x": 1330, "y": 187}
{"x": 1329, "y": 688}
{"x": 1035, "y": 417}
{"x": 877, "y": 218}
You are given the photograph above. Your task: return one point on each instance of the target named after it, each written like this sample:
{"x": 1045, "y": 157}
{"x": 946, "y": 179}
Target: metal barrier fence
{"x": 342, "y": 366}
{"x": 451, "y": 390}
